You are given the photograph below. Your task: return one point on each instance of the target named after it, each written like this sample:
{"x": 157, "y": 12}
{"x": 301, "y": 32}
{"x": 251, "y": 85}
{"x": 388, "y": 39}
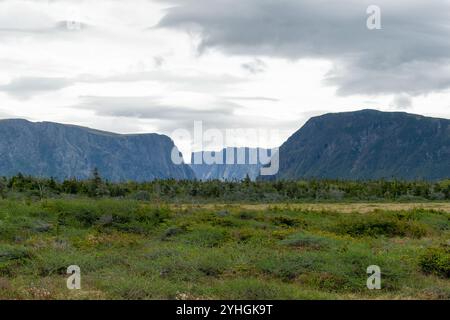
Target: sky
{"x": 144, "y": 66}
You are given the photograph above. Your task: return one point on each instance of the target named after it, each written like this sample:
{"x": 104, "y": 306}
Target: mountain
{"x": 64, "y": 151}
{"x": 368, "y": 144}
{"x": 242, "y": 162}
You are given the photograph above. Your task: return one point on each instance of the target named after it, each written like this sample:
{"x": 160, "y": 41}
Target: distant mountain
{"x": 244, "y": 161}
{"x": 63, "y": 151}
{"x": 368, "y": 144}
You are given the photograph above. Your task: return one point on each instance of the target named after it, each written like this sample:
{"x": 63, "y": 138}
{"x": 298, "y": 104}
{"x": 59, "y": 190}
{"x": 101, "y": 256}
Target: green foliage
{"x": 308, "y": 241}
{"x": 249, "y": 191}
{"x": 11, "y": 253}
{"x": 286, "y": 221}
{"x": 253, "y": 289}
{"x": 133, "y": 249}
{"x": 12, "y": 257}
{"x": 375, "y": 225}
{"x": 206, "y": 236}
{"x": 436, "y": 261}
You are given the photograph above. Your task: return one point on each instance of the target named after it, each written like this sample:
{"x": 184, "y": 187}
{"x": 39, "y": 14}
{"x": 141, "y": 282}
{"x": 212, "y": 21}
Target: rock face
{"x": 64, "y": 151}
{"x": 368, "y": 144}
{"x": 234, "y": 171}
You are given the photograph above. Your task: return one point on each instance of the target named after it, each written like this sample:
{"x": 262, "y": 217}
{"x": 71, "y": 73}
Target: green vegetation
{"x": 139, "y": 249}
{"x": 437, "y": 261}
{"x": 173, "y": 191}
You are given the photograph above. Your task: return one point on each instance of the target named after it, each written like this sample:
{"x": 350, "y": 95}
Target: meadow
{"x": 139, "y": 249}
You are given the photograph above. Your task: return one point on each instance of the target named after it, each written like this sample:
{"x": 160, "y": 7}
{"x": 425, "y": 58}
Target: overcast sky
{"x": 155, "y": 65}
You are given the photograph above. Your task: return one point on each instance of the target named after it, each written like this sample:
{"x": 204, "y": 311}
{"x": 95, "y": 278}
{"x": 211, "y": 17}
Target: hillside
{"x": 64, "y": 151}
{"x": 368, "y": 144}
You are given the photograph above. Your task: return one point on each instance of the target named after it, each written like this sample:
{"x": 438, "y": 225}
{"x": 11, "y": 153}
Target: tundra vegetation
{"x": 179, "y": 240}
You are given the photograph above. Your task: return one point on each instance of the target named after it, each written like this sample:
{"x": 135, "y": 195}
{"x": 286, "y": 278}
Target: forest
{"x": 188, "y": 191}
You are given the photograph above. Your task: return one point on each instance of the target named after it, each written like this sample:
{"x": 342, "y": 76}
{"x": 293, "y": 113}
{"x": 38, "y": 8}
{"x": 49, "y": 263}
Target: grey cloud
{"x": 21, "y": 18}
{"x": 168, "y": 117}
{"x": 402, "y": 101}
{"x": 62, "y": 26}
{"x": 206, "y": 81}
{"x": 152, "y": 108}
{"x": 254, "y": 67}
{"x": 411, "y": 53}
{"x": 26, "y": 87}
{"x": 413, "y": 78}
{"x": 198, "y": 81}
{"x": 267, "y": 99}
{"x": 159, "y": 61}
{"x": 72, "y": 26}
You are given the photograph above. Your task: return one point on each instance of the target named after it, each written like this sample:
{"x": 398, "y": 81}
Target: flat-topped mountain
{"x": 368, "y": 144}
{"x": 48, "y": 149}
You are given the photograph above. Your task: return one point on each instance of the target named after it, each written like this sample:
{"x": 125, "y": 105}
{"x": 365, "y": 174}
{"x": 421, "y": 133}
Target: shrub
{"x": 246, "y": 234}
{"x": 253, "y": 289}
{"x": 288, "y": 267}
{"x": 436, "y": 261}
{"x": 286, "y": 221}
{"x": 153, "y": 215}
{"x": 245, "y": 215}
{"x": 11, "y": 257}
{"x": 140, "y": 288}
{"x": 9, "y": 253}
{"x": 87, "y": 217}
{"x": 324, "y": 280}
{"x": 142, "y": 196}
{"x": 374, "y": 226}
{"x": 309, "y": 241}
{"x": 173, "y": 231}
{"x": 206, "y": 236}
{"x": 213, "y": 264}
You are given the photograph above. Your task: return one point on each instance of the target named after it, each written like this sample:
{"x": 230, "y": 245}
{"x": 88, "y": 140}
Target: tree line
{"x": 245, "y": 191}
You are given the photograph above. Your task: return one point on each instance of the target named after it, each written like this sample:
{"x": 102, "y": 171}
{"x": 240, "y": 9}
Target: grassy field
{"x": 137, "y": 250}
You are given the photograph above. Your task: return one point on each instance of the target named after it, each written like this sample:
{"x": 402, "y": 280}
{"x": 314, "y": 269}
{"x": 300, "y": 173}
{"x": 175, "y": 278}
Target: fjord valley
{"x": 225, "y": 150}
{"x": 354, "y": 190}
{"x": 362, "y": 145}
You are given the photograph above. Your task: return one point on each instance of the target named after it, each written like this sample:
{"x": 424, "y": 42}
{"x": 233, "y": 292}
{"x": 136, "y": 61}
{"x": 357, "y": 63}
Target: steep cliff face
{"x": 250, "y": 164}
{"x": 368, "y": 144}
{"x": 64, "y": 151}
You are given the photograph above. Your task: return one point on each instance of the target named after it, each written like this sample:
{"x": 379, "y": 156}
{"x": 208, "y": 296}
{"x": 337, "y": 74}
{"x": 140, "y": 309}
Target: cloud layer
{"x": 26, "y": 87}
{"x": 160, "y": 65}
{"x": 411, "y": 53}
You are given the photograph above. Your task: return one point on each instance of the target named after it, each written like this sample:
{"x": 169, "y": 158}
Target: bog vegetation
{"x": 129, "y": 249}
{"x": 173, "y": 240}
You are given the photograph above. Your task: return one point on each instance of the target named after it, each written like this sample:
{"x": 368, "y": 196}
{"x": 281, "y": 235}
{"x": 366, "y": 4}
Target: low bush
{"x": 374, "y": 226}
{"x": 206, "y": 236}
{"x": 307, "y": 241}
{"x": 12, "y": 257}
{"x": 436, "y": 261}
{"x": 287, "y": 221}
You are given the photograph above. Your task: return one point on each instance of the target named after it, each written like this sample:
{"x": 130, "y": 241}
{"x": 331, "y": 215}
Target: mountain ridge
{"x": 368, "y": 144}
{"x": 63, "y": 151}
{"x": 365, "y": 144}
